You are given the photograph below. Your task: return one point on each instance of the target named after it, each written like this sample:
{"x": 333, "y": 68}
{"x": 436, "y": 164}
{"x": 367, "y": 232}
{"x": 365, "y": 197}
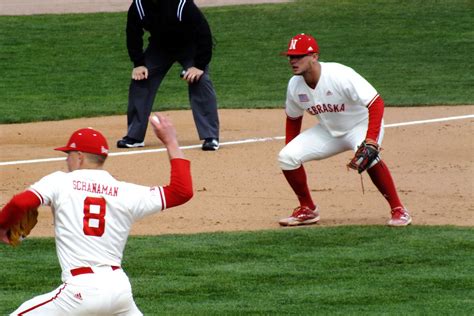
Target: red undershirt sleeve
{"x": 180, "y": 189}
{"x": 293, "y": 128}
{"x": 14, "y": 210}
{"x": 376, "y": 109}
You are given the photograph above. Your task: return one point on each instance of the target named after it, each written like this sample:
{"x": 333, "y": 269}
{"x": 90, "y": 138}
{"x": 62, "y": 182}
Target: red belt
{"x": 85, "y": 270}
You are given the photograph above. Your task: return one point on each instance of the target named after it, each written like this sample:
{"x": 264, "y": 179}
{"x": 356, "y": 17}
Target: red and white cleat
{"x": 400, "y": 217}
{"x": 302, "y": 215}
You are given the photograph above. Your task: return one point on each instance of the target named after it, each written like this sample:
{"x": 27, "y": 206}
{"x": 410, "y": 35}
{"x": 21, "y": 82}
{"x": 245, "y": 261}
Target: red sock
{"x": 297, "y": 180}
{"x": 382, "y": 179}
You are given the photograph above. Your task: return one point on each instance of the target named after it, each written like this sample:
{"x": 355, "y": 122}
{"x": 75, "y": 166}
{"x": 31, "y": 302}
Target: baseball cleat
{"x": 400, "y": 217}
{"x": 128, "y": 142}
{"x": 210, "y": 144}
{"x": 302, "y": 215}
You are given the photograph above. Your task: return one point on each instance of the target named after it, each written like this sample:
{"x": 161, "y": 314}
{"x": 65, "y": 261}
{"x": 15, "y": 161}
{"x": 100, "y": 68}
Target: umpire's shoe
{"x": 128, "y": 142}
{"x": 210, "y": 144}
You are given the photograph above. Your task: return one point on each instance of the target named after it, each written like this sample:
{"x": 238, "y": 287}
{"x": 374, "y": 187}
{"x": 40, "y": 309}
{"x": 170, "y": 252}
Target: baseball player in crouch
{"x": 93, "y": 214}
{"x": 350, "y": 114}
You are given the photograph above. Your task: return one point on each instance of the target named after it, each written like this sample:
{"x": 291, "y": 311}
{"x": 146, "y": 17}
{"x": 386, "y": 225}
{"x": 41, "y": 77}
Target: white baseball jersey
{"x": 339, "y": 100}
{"x": 93, "y": 214}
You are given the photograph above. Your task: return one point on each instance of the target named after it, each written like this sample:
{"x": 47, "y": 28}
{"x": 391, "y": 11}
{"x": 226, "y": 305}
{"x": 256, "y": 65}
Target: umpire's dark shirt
{"x": 175, "y": 26}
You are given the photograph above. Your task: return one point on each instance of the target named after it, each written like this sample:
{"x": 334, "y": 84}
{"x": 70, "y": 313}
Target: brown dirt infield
{"x": 240, "y": 187}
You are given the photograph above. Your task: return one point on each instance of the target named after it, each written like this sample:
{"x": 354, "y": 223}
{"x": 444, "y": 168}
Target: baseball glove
{"x": 22, "y": 229}
{"x": 366, "y": 153}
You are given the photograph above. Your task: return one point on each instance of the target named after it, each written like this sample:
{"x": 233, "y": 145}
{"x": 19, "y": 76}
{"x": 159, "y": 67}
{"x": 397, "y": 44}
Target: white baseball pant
{"x": 316, "y": 143}
{"x": 104, "y": 292}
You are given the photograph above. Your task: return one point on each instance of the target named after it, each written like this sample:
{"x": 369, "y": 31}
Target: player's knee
{"x": 287, "y": 161}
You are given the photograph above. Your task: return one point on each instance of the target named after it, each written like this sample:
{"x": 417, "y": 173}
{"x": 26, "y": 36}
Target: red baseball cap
{"x": 87, "y": 140}
{"x": 302, "y": 44}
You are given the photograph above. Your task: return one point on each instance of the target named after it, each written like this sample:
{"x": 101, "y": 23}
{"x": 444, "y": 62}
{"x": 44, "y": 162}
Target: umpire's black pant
{"x": 142, "y": 94}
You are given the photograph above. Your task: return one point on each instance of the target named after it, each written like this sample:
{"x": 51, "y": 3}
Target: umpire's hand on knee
{"x": 193, "y": 74}
{"x": 140, "y": 73}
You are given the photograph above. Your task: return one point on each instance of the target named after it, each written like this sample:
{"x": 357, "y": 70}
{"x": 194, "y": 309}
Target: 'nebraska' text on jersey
{"x": 340, "y": 99}
{"x": 323, "y": 108}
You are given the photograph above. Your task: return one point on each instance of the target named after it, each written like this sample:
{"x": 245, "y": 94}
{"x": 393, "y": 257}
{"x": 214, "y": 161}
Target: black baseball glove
{"x": 366, "y": 153}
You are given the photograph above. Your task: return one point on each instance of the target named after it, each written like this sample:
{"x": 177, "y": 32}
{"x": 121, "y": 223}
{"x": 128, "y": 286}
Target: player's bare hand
{"x": 165, "y": 131}
{"x": 140, "y": 73}
{"x": 163, "y": 128}
{"x": 3, "y": 236}
{"x": 193, "y": 75}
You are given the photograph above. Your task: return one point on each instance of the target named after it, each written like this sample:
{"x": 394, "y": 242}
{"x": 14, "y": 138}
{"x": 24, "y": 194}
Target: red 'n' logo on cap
{"x": 293, "y": 44}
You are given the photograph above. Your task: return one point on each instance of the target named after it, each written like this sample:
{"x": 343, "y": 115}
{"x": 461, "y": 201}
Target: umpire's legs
{"x": 142, "y": 94}
{"x": 202, "y": 98}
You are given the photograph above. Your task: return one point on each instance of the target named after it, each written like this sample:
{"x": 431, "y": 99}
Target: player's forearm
{"x": 376, "y": 110}
{"x": 180, "y": 189}
{"x": 174, "y": 151}
{"x": 10, "y": 215}
{"x": 14, "y": 210}
{"x": 293, "y": 128}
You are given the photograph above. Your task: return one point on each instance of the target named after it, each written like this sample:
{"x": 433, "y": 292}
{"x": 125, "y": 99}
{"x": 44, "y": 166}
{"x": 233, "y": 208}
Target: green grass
{"x": 341, "y": 270}
{"x": 76, "y": 65}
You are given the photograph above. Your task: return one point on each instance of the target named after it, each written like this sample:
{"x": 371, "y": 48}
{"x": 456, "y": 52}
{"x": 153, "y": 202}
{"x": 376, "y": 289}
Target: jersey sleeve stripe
{"x": 372, "y": 101}
{"x": 163, "y": 200}
{"x": 40, "y": 197}
{"x": 141, "y": 12}
{"x": 179, "y": 13}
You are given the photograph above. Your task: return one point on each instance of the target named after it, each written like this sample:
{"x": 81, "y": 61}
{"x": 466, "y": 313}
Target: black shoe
{"x": 210, "y": 144}
{"x": 128, "y": 142}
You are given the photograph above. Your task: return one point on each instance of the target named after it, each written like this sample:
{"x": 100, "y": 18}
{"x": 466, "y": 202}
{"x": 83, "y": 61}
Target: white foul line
{"x": 237, "y": 142}
{"x": 451, "y": 118}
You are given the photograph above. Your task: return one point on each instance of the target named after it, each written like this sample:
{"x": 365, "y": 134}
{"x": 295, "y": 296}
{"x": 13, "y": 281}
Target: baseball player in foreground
{"x": 93, "y": 214}
{"x": 350, "y": 114}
